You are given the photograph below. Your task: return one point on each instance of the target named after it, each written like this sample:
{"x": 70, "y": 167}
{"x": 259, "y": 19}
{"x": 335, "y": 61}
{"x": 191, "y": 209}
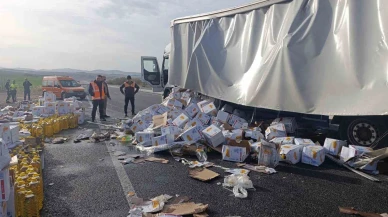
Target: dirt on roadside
{"x": 35, "y": 93}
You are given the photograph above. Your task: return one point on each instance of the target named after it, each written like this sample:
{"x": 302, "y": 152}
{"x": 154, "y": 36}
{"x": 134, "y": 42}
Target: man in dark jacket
{"x": 107, "y": 96}
{"x": 129, "y": 89}
{"x": 7, "y": 87}
{"x": 96, "y": 90}
{"x": 27, "y": 91}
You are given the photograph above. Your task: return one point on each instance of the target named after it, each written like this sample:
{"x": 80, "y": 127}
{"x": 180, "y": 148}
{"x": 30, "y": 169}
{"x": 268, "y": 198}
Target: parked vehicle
{"x": 63, "y": 87}
{"x": 317, "y": 60}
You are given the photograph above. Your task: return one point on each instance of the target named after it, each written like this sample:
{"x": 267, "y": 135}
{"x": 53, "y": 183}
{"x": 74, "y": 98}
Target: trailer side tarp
{"x": 325, "y": 57}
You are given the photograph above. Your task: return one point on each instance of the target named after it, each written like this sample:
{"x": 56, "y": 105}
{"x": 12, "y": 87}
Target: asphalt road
{"x": 89, "y": 181}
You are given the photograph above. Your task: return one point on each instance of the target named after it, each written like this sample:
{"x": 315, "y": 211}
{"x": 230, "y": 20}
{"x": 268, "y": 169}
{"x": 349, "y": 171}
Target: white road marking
{"x": 126, "y": 184}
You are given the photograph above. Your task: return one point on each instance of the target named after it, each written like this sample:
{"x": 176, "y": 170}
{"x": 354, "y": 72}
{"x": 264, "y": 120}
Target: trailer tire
{"x": 361, "y": 131}
{"x": 166, "y": 92}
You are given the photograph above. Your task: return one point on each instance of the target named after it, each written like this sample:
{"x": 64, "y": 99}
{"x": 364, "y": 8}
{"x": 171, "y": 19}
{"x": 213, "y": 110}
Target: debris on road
{"x": 59, "y": 140}
{"x": 157, "y": 160}
{"x": 352, "y": 211}
{"x": 203, "y": 174}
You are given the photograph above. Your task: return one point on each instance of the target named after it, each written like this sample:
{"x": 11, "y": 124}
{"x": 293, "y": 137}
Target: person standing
{"x": 13, "y": 87}
{"x": 129, "y": 89}
{"x": 107, "y": 96}
{"x": 96, "y": 90}
{"x": 27, "y": 91}
{"x": 8, "y": 88}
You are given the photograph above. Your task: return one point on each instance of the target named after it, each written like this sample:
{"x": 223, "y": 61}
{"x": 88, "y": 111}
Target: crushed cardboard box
{"x": 203, "y": 174}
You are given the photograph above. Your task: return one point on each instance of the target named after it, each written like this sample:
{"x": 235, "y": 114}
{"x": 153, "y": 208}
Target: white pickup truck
{"x": 324, "y": 62}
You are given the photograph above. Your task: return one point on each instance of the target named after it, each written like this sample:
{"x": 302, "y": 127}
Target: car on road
{"x": 63, "y": 87}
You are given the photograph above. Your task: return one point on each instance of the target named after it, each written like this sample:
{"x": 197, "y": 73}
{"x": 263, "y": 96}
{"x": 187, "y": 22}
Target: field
{"x": 36, "y": 81}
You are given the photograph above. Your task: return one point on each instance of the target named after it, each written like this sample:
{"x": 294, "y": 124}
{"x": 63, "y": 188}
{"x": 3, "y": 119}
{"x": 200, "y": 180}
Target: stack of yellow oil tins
{"x": 28, "y": 172}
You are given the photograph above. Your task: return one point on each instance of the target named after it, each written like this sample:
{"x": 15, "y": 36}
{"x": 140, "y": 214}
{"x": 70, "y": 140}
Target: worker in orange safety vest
{"x": 97, "y": 92}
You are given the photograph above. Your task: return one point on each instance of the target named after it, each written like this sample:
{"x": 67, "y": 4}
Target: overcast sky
{"x": 91, "y": 34}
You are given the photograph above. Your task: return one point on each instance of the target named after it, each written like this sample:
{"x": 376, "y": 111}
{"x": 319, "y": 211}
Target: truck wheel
{"x": 166, "y": 93}
{"x": 360, "y": 131}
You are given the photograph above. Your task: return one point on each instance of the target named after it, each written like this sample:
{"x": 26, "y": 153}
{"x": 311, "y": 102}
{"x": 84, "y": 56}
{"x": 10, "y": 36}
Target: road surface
{"x": 88, "y": 181}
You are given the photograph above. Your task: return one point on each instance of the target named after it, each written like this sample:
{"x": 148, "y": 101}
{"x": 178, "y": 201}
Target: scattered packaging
{"x": 63, "y": 108}
{"x": 214, "y": 135}
{"x": 209, "y": 109}
{"x": 144, "y": 136}
{"x": 204, "y": 118}
{"x": 81, "y": 116}
{"x": 50, "y": 108}
{"x": 291, "y": 153}
{"x": 268, "y": 155}
{"x": 283, "y": 140}
{"x": 313, "y": 155}
{"x": 14, "y": 133}
{"x": 192, "y": 110}
{"x": 237, "y": 122}
{"x": 161, "y": 140}
{"x": 193, "y": 134}
{"x": 5, "y": 185}
{"x": 202, "y": 104}
{"x": 203, "y": 174}
{"x": 277, "y": 130}
{"x": 181, "y": 120}
{"x": 49, "y": 97}
{"x": 38, "y": 111}
{"x": 174, "y": 130}
{"x": 5, "y": 133}
{"x": 289, "y": 123}
{"x": 236, "y": 152}
{"x": 222, "y": 117}
{"x": 304, "y": 142}
{"x": 227, "y": 108}
{"x": 333, "y": 146}
{"x": 193, "y": 123}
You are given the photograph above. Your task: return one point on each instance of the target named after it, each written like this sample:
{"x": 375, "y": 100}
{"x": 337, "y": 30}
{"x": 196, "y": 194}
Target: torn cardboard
{"x": 157, "y": 160}
{"x": 202, "y": 174}
{"x": 235, "y": 151}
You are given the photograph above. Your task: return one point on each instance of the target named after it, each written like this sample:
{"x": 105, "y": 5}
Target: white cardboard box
{"x": 50, "y": 108}
{"x": 173, "y": 130}
{"x": 162, "y": 140}
{"x": 209, "y": 109}
{"x": 289, "y": 123}
{"x": 202, "y": 104}
{"x": 283, "y": 140}
{"x": 313, "y": 155}
{"x": 63, "y": 108}
{"x": 181, "y": 120}
{"x": 214, "y": 135}
{"x": 353, "y": 151}
{"x": 49, "y": 97}
{"x": 236, "y": 152}
{"x": 237, "y": 123}
{"x": 268, "y": 155}
{"x": 38, "y": 111}
{"x": 203, "y": 117}
{"x": 5, "y": 185}
{"x": 5, "y": 133}
{"x": 144, "y": 136}
{"x": 304, "y": 142}
{"x": 334, "y": 146}
{"x": 81, "y": 116}
{"x": 359, "y": 150}
{"x": 192, "y": 110}
{"x": 223, "y": 117}
{"x": 291, "y": 153}
{"x": 193, "y": 134}
{"x": 277, "y": 130}
{"x": 193, "y": 123}
{"x": 14, "y": 133}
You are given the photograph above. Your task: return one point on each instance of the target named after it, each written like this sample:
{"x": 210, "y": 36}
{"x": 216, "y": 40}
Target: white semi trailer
{"x": 324, "y": 62}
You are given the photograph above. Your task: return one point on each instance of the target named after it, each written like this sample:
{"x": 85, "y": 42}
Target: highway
{"x": 87, "y": 180}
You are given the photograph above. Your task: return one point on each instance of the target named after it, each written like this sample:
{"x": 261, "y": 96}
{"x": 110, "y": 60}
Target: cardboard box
{"x": 5, "y": 185}
{"x": 277, "y": 130}
{"x": 193, "y": 123}
{"x": 3, "y": 209}
{"x": 175, "y": 113}
{"x": 268, "y": 155}
{"x": 283, "y": 140}
{"x": 162, "y": 140}
{"x": 289, "y": 123}
{"x": 358, "y": 150}
{"x": 209, "y": 109}
{"x": 237, "y": 134}
{"x": 49, "y": 97}
{"x": 81, "y": 116}
{"x": 144, "y": 136}
{"x": 163, "y": 109}
{"x": 178, "y": 104}
{"x": 193, "y": 134}
{"x": 213, "y": 135}
{"x": 138, "y": 126}
{"x": 18, "y": 114}
{"x": 313, "y": 155}
{"x": 237, "y": 122}
{"x": 304, "y": 142}
{"x": 204, "y": 118}
{"x": 50, "y": 108}
{"x": 5, "y": 133}
{"x": 181, "y": 120}
{"x": 192, "y": 110}
{"x": 334, "y": 146}
{"x": 291, "y": 153}
{"x": 236, "y": 152}
{"x": 202, "y": 104}
{"x": 223, "y": 117}
{"x": 255, "y": 147}
{"x": 354, "y": 151}
{"x": 173, "y": 130}
{"x": 38, "y": 111}
{"x": 170, "y": 103}
{"x": 14, "y": 133}
{"x": 63, "y": 108}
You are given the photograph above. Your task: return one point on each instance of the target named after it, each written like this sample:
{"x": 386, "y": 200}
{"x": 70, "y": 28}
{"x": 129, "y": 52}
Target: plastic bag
{"x": 239, "y": 183}
{"x": 201, "y": 155}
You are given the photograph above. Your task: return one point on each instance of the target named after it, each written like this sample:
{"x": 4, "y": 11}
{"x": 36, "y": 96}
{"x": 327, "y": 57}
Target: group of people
{"x": 99, "y": 91}
{"x": 12, "y": 90}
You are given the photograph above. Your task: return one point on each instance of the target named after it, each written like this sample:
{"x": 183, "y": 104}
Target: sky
{"x": 91, "y": 34}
